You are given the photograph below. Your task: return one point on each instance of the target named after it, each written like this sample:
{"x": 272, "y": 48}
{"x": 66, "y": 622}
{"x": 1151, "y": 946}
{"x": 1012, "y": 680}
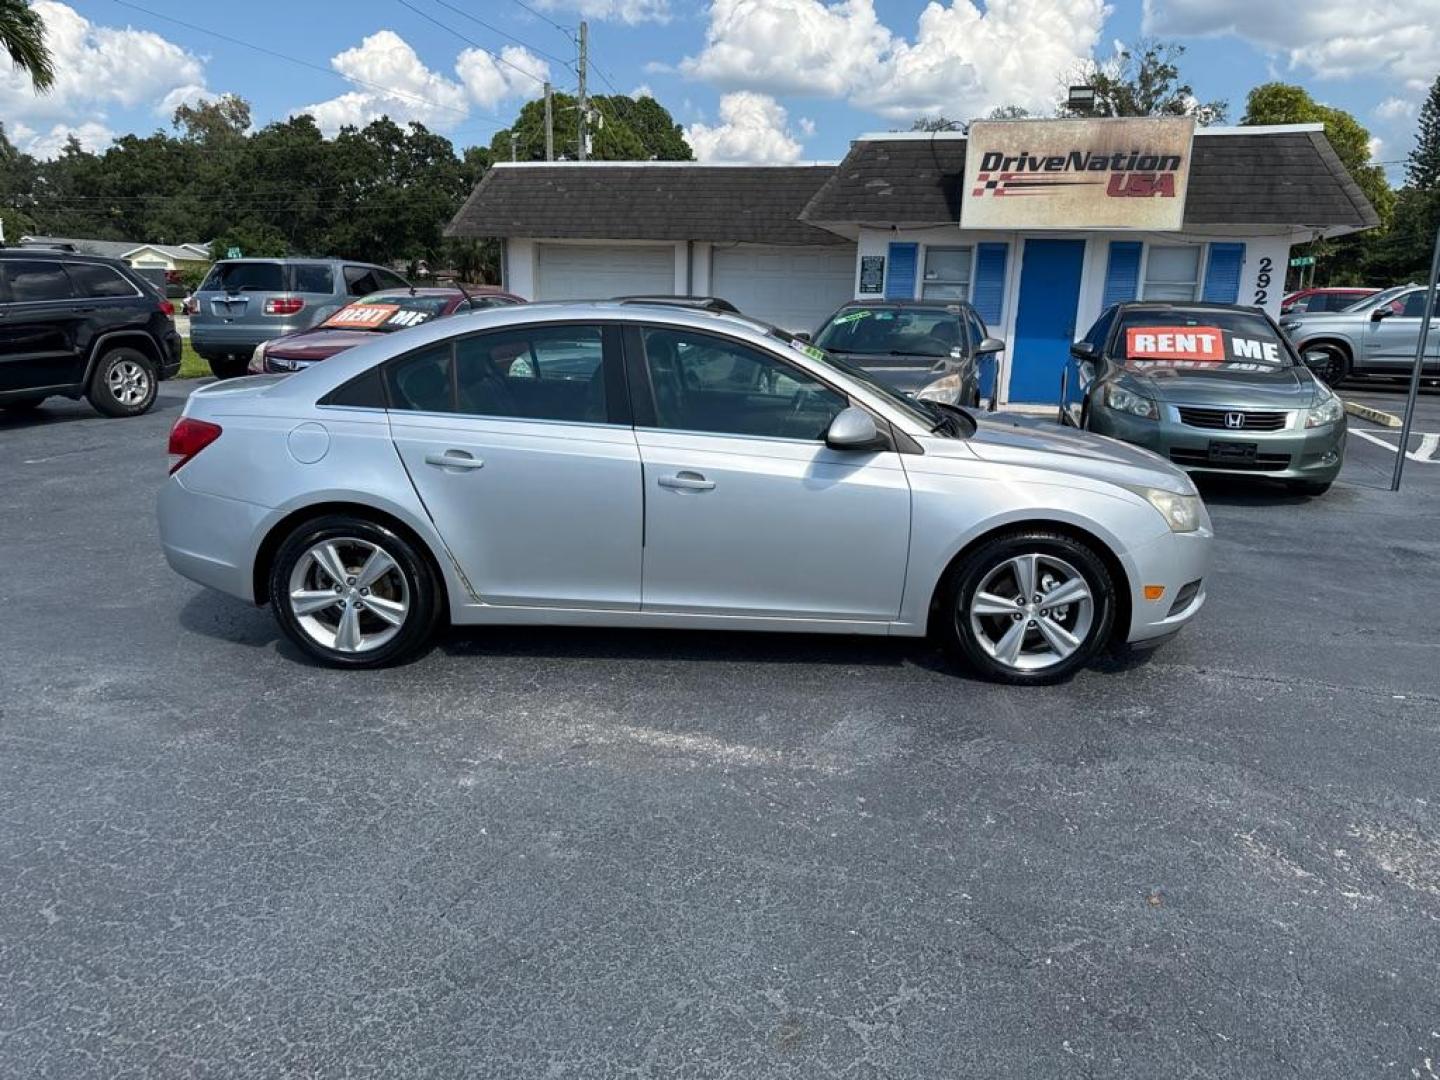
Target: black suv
{"x": 82, "y": 326}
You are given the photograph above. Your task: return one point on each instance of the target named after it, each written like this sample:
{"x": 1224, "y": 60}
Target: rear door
{"x": 747, "y": 511}
{"x": 520, "y": 445}
{"x": 40, "y": 323}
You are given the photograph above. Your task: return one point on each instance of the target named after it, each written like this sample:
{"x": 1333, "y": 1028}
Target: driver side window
{"x": 712, "y": 384}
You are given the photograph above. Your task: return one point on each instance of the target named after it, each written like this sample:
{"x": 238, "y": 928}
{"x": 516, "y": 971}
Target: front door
{"x": 524, "y": 456}
{"x": 747, "y": 511}
{"x": 1391, "y": 341}
{"x": 1045, "y": 322}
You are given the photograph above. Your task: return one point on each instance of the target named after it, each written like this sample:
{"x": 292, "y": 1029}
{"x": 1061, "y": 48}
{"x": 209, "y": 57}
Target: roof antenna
{"x": 469, "y": 300}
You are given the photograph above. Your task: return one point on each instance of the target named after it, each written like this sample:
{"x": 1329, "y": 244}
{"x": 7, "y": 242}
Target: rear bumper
{"x": 210, "y": 539}
{"x": 173, "y": 347}
{"x": 1314, "y": 454}
{"x": 212, "y": 340}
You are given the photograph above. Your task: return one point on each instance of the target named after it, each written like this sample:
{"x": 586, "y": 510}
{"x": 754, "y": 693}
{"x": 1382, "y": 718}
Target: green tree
{"x": 1423, "y": 168}
{"x": 1143, "y": 79}
{"x": 18, "y": 173}
{"x": 623, "y": 129}
{"x": 22, "y": 35}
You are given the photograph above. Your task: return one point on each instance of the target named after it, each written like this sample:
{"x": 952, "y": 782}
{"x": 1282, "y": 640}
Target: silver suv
{"x": 244, "y": 302}
{"x": 1377, "y": 336}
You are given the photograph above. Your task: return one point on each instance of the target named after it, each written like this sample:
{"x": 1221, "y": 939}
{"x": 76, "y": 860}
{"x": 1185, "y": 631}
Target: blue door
{"x": 1045, "y": 322}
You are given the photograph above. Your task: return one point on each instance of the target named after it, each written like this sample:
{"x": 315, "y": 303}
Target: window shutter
{"x": 900, "y": 279}
{"x": 1122, "y": 274}
{"x": 988, "y": 292}
{"x": 1222, "y": 276}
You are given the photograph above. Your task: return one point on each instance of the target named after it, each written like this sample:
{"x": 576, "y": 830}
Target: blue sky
{"x": 768, "y": 80}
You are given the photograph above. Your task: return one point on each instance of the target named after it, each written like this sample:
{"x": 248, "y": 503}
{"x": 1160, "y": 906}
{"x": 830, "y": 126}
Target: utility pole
{"x": 512, "y": 147}
{"x": 584, "y": 102}
{"x": 549, "y": 123}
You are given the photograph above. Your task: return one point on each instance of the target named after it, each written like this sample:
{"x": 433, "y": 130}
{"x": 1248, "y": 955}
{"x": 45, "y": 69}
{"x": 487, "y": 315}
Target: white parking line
{"x": 1429, "y": 445}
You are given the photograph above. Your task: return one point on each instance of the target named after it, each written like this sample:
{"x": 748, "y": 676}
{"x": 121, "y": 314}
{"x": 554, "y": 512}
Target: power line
{"x": 546, "y": 18}
{"x": 519, "y": 41}
{"x": 462, "y": 37}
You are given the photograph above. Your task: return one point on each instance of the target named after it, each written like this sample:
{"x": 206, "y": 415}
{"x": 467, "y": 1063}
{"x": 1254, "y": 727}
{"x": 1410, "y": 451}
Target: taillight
{"x": 188, "y": 437}
{"x": 167, "y": 309}
{"x": 283, "y": 305}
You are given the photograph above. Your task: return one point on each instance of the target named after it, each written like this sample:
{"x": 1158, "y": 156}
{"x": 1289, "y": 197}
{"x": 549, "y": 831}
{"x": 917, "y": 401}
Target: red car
{"x": 379, "y": 313}
{"x": 1337, "y": 299}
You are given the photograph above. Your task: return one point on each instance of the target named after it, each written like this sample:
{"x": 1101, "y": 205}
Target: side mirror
{"x": 989, "y": 345}
{"x": 803, "y": 335}
{"x": 853, "y": 429}
{"x": 1083, "y": 350}
{"x": 1384, "y": 311}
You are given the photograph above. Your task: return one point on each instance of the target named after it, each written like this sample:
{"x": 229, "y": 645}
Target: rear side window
{"x": 312, "y": 278}
{"x": 423, "y": 381}
{"x": 246, "y": 277}
{"x": 36, "y": 279}
{"x": 361, "y": 281}
{"x": 91, "y": 280}
{"x": 362, "y": 392}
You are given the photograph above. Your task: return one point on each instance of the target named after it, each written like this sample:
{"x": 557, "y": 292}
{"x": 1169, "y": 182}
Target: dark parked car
{"x": 937, "y": 348}
{"x": 1209, "y": 387}
{"x": 77, "y": 326}
{"x": 1336, "y": 298}
{"x": 243, "y": 302}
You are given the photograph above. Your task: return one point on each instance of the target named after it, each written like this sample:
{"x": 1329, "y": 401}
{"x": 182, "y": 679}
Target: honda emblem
{"x": 1234, "y": 419}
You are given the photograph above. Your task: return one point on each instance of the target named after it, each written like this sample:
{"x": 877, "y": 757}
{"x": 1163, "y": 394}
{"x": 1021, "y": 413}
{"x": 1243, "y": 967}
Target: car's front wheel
{"x": 352, "y": 593}
{"x": 124, "y": 383}
{"x": 1335, "y": 368}
{"x": 1029, "y": 607}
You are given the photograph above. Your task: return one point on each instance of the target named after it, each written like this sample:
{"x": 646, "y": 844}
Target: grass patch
{"x": 192, "y": 366}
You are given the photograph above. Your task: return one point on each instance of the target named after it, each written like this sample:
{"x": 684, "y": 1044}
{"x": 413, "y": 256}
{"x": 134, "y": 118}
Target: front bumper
{"x": 1293, "y": 453}
{"x": 1179, "y": 562}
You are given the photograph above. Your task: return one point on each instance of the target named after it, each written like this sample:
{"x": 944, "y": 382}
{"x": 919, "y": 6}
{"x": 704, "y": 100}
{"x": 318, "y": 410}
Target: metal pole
{"x": 583, "y": 102}
{"x": 549, "y": 123}
{"x": 1419, "y": 363}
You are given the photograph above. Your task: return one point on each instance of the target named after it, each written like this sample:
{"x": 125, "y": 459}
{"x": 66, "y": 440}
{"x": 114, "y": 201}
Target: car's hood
{"x": 1025, "y": 440}
{"x": 1233, "y": 385}
{"x": 317, "y": 344}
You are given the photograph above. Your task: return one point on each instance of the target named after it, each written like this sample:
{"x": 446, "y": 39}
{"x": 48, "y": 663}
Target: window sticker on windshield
{"x": 852, "y": 316}
{"x": 362, "y": 315}
{"x": 407, "y": 318}
{"x": 1175, "y": 343}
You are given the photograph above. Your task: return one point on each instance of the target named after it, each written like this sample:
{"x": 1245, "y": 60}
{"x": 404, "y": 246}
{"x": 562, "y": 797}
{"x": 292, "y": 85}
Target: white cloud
{"x": 807, "y": 126}
{"x": 1394, "y": 108}
{"x": 752, "y": 129}
{"x": 48, "y": 144}
{"x": 518, "y": 73}
{"x": 97, "y": 68}
{"x": 642, "y": 91}
{"x": 1375, "y": 146}
{"x": 629, "y": 11}
{"x": 1395, "y": 39}
{"x": 963, "y": 61}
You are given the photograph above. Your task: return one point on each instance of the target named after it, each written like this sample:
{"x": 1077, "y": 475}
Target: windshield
{"x": 384, "y": 313}
{"x": 874, "y": 330}
{"x": 1378, "y": 298}
{"x": 1203, "y": 338}
{"x": 935, "y": 418}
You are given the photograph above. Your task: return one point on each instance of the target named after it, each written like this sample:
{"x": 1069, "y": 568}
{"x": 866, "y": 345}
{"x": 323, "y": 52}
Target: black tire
{"x": 124, "y": 383}
{"x": 1337, "y": 365}
{"x": 1307, "y": 487}
{"x": 419, "y": 593}
{"x": 23, "y": 405}
{"x": 228, "y": 367}
{"x": 1054, "y": 550}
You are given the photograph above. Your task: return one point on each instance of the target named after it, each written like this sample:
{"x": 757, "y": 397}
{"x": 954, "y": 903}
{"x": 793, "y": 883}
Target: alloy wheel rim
{"x": 349, "y": 595}
{"x": 129, "y": 382}
{"x": 1031, "y": 612}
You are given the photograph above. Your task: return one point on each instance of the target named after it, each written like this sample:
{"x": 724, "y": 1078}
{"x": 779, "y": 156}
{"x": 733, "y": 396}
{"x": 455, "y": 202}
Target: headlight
{"x": 1122, "y": 400}
{"x": 1327, "y": 412}
{"x": 257, "y": 360}
{"x": 946, "y": 389}
{"x": 1181, "y": 512}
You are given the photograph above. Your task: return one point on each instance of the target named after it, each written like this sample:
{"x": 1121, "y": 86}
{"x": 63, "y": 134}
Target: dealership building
{"x": 1039, "y": 224}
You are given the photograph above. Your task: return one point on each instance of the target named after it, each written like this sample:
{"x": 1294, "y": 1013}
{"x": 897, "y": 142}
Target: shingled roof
{"x": 1269, "y": 177}
{"x": 653, "y": 201}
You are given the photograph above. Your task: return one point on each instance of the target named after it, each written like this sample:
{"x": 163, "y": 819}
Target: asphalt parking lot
{"x": 594, "y": 854}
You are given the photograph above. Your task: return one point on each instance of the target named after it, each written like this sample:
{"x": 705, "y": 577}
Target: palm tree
{"x": 22, "y": 35}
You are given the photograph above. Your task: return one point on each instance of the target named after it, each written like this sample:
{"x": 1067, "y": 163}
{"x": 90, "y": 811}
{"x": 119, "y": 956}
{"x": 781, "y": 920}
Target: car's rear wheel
{"x": 1336, "y": 367}
{"x": 352, "y": 593}
{"x": 1029, "y": 607}
{"x": 124, "y": 383}
{"x": 228, "y": 367}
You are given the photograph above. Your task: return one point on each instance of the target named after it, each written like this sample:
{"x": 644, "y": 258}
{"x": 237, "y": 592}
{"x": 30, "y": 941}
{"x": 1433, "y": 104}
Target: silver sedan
{"x": 637, "y": 464}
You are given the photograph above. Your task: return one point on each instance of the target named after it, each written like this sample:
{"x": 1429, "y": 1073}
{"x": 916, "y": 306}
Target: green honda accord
{"x": 1211, "y": 388}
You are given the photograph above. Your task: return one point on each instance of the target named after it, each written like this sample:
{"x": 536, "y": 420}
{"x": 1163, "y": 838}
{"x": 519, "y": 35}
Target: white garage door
{"x": 792, "y": 287}
{"x": 582, "y": 272}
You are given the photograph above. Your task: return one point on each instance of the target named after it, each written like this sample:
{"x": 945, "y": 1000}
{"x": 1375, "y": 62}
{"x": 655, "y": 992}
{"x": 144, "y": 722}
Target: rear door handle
{"x": 687, "y": 481}
{"x": 455, "y": 459}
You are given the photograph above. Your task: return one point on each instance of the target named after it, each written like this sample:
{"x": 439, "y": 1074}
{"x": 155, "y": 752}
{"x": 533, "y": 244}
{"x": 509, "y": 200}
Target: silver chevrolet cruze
{"x": 644, "y": 465}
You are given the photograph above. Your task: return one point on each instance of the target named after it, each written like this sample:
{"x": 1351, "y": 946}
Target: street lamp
{"x": 1080, "y": 99}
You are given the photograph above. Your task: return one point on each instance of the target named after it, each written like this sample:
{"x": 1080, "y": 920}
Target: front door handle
{"x": 687, "y": 481}
{"x": 454, "y": 459}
